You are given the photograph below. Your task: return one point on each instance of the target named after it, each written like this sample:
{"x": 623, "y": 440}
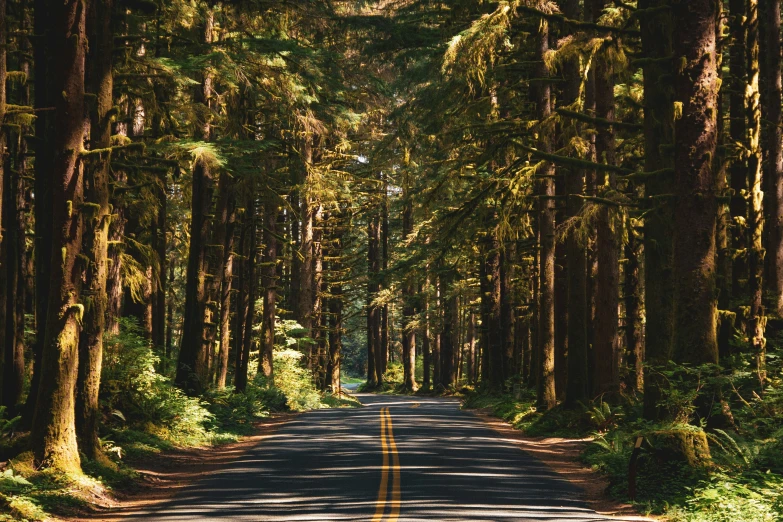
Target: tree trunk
{"x": 242, "y": 299}
{"x": 448, "y": 343}
{"x": 633, "y": 324}
{"x": 53, "y": 435}
{"x": 241, "y": 378}
{"x": 425, "y": 341}
{"x": 192, "y": 365}
{"x": 605, "y": 347}
{"x": 659, "y": 221}
{"x": 696, "y": 87}
{"x": 492, "y": 320}
{"x": 756, "y": 321}
{"x": 408, "y": 308}
{"x": 269, "y": 282}
{"x": 44, "y": 67}
{"x": 471, "y": 349}
{"x": 738, "y": 134}
{"x": 96, "y": 229}
{"x": 374, "y": 367}
{"x": 546, "y": 396}
{"x": 774, "y": 137}
{"x": 507, "y": 303}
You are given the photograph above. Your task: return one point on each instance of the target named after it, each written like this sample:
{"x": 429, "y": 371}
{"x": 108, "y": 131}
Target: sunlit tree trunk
{"x": 374, "y": 367}
{"x": 53, "y": 434}
{"x": 756, "y": 321}
{"x": 546, "y": 396}
{"x": 96, "y": 228}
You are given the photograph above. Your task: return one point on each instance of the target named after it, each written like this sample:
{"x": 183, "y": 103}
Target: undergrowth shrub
{"x": 294, "y": 381}
{"x": 133, "y": 394}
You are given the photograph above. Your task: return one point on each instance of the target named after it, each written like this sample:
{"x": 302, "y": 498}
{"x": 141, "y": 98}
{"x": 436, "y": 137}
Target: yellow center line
{"x": 380, "y": 505}
{"x": 395, "y": 501}
{"x": 389, "y": 446}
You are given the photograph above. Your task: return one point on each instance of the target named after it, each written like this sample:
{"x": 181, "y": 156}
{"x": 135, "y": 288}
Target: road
{"x": 398, "y": 459}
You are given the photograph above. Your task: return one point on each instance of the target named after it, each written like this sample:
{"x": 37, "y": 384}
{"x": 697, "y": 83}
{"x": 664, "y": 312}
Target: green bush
{"x": 133, "y": 393}
{"x": 295, "y": 381}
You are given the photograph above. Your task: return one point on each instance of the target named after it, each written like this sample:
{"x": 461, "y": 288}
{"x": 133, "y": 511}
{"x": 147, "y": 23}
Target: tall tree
{"x": 96, "y": 227}
{"x": 53, "y": 434}
{"x": 696, "y": 91}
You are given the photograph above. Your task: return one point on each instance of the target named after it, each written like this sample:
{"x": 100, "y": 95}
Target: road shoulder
{"x": 562, "y": 456}
{"x": 168, "y": 473}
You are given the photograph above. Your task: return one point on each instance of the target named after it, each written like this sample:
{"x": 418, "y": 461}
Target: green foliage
{"x": 294, "y": 381}
{"x": 136, "y": 395}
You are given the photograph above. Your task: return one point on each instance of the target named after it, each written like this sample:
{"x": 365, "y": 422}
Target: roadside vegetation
{"x": 144, "y": 416}
{"x": 692, "y": 469}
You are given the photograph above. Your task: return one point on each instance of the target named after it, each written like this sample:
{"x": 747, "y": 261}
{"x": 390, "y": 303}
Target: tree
{"x": 53, "y": 433}
{"x": 695, "y": 306}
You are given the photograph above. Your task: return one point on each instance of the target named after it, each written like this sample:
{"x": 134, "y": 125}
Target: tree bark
{"x": 756, "y": 320}
{"x": 269, "y": 282}
{"x": 241, "y": 378}
{"x": 774, "y": 152}
{"x": 43, "y": 53}
{"x": 696, "y": 88}
{"x": 605, "y": 345}
{"x": 659, "y": 220}
{"x": 546, "y": 397}
{"x": 96, "y": 233}
{"x": 192, "y": 365}
{"x": 633, "y": 332}
{"x": 53, "y": 434}
{"x": 507, "y": 305}
{"x": 408, "y": 308}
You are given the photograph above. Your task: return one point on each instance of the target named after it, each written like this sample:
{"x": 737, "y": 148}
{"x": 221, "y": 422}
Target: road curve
{"x": 398, "y": 459}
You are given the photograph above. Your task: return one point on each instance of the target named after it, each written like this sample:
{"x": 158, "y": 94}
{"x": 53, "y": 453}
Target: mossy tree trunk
{"x": 695, "y": 305}
{"x": 546, "y": 396}
{"x": 96, "y": 228}
{"x": 53, "y": 434}
{"x": 374, "y": 367}
{"x": 738, "y": 134}
{"x": 756, "y": 319}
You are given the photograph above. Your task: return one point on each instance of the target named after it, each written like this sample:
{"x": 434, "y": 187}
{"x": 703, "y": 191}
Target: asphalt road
{"x": 396, "y": 459}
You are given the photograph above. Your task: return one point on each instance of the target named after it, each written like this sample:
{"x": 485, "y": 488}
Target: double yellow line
{"x": 389, "y": 449}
